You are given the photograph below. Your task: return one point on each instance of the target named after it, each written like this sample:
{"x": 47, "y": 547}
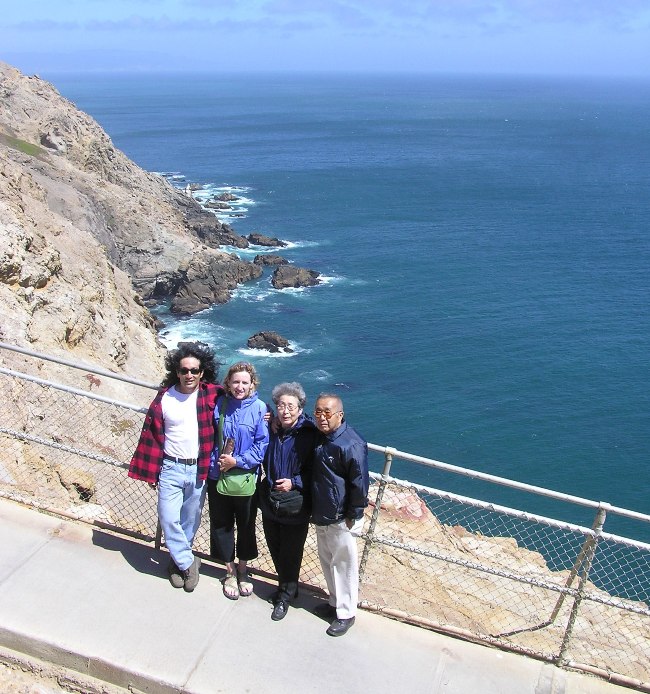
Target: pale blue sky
{"x": 572, "y": 37}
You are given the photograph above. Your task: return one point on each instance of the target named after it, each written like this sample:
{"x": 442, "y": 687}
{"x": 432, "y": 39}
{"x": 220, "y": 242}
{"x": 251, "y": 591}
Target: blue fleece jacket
{"x": 244, "y": 422}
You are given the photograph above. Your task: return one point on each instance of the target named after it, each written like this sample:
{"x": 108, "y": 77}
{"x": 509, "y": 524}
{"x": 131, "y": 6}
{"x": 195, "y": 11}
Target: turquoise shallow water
{"x": 485, "y": 243}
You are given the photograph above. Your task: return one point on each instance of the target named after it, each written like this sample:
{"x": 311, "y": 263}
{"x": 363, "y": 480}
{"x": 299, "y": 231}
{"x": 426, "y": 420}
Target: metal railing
{"x": 571, "y": 594}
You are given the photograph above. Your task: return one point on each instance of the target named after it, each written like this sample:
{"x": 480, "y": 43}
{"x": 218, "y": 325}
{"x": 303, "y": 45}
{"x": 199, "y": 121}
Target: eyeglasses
{"x": 328, "y": 414}
{"x": 286, "y": 408}
{"x": 184, "y": 371}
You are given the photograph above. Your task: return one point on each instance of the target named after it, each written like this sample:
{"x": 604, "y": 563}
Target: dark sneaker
{"x": 280, "y": 610}
{"x": 191, "y": 576}
{"x": 325, "y": 611}
{"x": 340, "y": 626}
{"x": 175, "y": 575}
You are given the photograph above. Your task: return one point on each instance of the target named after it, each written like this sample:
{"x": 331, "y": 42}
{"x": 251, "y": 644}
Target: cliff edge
{"x": 89, "y": 240}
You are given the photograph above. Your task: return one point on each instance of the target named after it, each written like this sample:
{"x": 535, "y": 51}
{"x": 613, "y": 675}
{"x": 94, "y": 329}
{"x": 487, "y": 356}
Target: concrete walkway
{"x": 100, "y": 604}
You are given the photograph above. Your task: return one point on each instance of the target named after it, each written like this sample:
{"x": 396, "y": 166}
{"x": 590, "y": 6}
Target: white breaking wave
{"x": 253, "y": 294}
{"x": 299, "y": 244}
{"x": 191, "y": 329}
{"x": 209, "y": 192}
{"x": 203, "y": 326}
{"x": 264, "y": 353}
{"x": 316, "y": 375}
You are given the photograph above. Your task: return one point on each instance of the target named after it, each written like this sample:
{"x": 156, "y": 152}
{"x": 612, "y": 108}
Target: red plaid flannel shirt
{"x": 147, "y": 459}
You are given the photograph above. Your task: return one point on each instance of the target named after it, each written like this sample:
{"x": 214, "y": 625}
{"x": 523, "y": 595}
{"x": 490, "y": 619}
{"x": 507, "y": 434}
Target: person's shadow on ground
{"x": 144, "y": 558}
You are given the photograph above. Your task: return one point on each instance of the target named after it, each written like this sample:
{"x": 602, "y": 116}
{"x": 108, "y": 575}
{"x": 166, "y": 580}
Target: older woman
{"x": 284, "y": 492}
{"x": 244, "y": 427}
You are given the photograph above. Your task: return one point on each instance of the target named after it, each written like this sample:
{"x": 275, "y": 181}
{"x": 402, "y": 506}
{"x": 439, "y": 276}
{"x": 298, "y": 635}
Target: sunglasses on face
{"x": 184, "y": 371}
{"x": 328, "y": 414}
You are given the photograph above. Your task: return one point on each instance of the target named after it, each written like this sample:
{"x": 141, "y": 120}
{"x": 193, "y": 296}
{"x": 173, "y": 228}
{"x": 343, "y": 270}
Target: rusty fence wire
{"x": 574, "y": 595}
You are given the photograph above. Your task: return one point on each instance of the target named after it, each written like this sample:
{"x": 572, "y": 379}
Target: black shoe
{"x": 340, "y": 626}
{"x": 325, "y": 611}
{"x": 280, "y": 610}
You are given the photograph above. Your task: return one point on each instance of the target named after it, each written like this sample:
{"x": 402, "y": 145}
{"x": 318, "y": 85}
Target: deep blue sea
{"x": 485, "y": 244}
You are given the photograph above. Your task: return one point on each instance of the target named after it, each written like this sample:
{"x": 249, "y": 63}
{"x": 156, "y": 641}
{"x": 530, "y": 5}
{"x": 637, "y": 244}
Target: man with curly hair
{"x": 173, "y": 453}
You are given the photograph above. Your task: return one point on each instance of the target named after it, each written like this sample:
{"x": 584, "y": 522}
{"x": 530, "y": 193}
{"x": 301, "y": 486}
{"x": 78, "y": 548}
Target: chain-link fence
{"x": 516, "y": 580}
{"x": 576, "y": 596}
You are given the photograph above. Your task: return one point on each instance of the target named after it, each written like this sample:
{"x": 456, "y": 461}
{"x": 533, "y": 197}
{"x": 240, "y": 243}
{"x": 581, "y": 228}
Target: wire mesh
{"x": 70, "y": 453}
{"x": 499, "y": 576}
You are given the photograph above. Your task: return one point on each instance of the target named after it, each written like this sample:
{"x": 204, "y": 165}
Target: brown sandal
{"x": 230, "y": 587}
{"x": 245, "y": 586}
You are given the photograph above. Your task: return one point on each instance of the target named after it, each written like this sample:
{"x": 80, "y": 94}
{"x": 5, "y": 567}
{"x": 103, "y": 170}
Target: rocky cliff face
{"x": 88, "y": 239}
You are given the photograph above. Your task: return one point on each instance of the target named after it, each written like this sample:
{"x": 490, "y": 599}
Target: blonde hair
{"x": 242, "y": 366}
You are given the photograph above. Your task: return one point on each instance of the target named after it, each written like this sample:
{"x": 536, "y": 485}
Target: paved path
{"x": 101, "y": 604}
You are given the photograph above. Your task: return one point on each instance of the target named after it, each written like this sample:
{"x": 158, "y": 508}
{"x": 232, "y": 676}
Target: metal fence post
{"x": 587, "y": 546}
{"x": 589, "y": 552}
{"x": 369, "y": 535}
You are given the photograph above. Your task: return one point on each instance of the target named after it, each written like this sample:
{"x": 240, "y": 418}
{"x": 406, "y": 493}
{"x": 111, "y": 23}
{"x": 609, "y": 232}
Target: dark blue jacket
{"x": 339, "y": 477}
{"x": 290, "y": 455}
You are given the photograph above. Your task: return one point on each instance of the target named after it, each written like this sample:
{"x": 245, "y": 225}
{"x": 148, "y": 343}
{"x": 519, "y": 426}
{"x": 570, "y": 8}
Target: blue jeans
{"x": 180, "y": 501}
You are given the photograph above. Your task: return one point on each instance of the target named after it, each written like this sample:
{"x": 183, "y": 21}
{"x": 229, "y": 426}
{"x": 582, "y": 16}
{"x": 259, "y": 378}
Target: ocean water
{"x": 485, "y": 245}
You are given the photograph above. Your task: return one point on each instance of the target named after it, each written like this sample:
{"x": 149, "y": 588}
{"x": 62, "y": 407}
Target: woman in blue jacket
{"x": 284, "y": 493}
{"x": 244, "y": 422}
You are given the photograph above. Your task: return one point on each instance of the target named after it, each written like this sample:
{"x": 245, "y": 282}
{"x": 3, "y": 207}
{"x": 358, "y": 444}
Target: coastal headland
{"x": 91, "y": 242}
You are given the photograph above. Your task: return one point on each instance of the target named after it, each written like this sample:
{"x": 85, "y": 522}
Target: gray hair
{"x": 294, "y": 389}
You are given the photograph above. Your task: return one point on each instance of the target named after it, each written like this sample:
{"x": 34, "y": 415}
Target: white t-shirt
{"x": 181, "y": 423}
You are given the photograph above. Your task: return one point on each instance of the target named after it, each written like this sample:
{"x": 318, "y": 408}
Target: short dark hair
{"x": 327, "y": 396}
{"x": 199, "y": 350}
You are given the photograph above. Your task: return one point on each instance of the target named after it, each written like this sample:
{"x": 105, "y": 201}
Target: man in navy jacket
{"x": 339, "y": 497}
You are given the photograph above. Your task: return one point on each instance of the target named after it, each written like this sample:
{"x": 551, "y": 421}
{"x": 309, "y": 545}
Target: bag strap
{"x": 222, "y": 414}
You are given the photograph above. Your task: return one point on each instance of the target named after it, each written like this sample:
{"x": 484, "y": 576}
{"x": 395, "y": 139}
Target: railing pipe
{"x": 505, "y": 482}
{"x": 488, "y": 506}
{"x": 394, "y": 453}
{"x": 74, "y": 391}
{"x": 78, "y": 365}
